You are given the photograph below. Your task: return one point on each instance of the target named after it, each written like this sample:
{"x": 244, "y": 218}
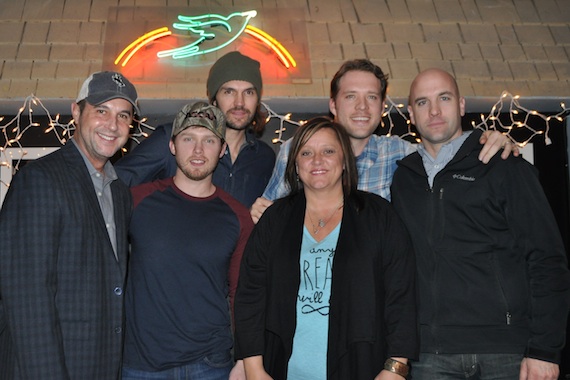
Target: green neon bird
{"x": 199, "y": 25}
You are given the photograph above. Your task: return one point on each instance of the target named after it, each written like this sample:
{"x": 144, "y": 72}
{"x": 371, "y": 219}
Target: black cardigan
{"x": 372, "y": 306}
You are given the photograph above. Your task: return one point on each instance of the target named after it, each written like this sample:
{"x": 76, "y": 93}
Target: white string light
{"x": 395, "y": 109}
{"x": 518, "y": 118}
{"x": 283, "y": 119}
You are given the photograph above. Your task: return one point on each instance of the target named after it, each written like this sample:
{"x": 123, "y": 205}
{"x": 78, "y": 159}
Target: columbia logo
{"x": 462, "y": 177}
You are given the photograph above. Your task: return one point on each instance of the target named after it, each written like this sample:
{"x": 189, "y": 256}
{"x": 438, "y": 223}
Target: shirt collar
{"x": 448, "y": 150}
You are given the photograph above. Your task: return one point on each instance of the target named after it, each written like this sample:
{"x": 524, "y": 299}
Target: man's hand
{"x": 495, "y": 141}
{"x": 258, "y": 208}
{"x": 238, "y": 372}
{"x": 534, "y": 369}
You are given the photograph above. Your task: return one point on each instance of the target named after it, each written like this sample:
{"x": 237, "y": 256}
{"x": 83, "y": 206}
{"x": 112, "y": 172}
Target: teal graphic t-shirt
{"x": 309, "y": 358}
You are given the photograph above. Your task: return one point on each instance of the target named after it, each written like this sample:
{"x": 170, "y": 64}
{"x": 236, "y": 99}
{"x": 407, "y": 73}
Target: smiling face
{"x": 436, "y": 108}
{"x": 197, "y": 151}
{"x": 102, "y": 129}
{"x": 358, "y": 106}
{"x": 320, "y": 161}
{"x": 238, "y": 100}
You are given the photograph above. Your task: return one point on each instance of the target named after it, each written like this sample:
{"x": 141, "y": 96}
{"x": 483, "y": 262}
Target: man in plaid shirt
{"x": 358, "y": 93}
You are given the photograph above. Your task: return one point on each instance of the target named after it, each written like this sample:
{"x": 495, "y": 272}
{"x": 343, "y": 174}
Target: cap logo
{"x": 118, "y": 79}
{"x": 201, "y": 115}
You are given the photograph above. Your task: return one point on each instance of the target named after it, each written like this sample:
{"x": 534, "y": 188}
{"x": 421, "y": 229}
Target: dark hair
{"x": 359, "y": 65}
{"x": 303, "y": 134}
{"x": 81, "y": 105}
{"x": 259, "y": 120}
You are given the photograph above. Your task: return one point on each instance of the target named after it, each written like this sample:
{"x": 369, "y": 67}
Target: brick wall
{"x": 48, "y": 47}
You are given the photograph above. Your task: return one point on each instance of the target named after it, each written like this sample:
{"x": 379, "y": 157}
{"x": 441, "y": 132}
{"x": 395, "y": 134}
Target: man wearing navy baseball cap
{"x": 64, "y": 247}
{"x": 107, "y": 85}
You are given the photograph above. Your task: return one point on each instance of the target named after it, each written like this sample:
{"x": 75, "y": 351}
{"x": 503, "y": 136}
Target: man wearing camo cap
{"x": 187, "y": 237}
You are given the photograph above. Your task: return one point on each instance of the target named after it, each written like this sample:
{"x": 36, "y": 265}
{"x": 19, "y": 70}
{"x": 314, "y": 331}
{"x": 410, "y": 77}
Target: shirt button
{"x": 118, "y": 291}
{"x": 118, "y": 330}
{"x": 99, "y": 194}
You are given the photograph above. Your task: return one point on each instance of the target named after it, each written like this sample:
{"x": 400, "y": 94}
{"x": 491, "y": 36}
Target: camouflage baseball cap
{"x": 200, "y": 114}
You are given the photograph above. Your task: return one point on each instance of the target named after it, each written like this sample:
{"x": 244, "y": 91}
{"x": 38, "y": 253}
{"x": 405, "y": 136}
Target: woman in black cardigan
{"x": 326, "y": 287}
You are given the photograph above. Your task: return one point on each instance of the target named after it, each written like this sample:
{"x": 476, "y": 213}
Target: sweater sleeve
{"x": 399, "y": 268}
{"x": 149, "y": 161}
{"x": 250, "y": 301}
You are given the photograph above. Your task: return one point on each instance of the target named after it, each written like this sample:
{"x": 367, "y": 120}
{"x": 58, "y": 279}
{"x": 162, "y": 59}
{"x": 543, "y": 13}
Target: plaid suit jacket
{"x": 61, "y": 287}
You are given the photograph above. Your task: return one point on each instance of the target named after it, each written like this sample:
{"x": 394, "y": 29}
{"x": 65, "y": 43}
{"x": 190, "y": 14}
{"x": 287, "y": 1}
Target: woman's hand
{"x": 254, "y": 368}
{"x": 400, "y": 366}
{"x": 387, "y": 375}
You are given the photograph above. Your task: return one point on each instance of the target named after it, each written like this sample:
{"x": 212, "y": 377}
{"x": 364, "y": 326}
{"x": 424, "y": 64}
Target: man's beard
{"x": 231, "y": 125}
{"x": 195, "y": 174}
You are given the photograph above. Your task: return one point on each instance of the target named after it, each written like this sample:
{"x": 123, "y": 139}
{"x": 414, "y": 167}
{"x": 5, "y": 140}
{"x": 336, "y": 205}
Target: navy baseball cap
{"x": 107, "y": 85}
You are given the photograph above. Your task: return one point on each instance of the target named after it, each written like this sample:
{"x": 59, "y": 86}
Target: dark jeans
{"x": 212, "y": 367}
{"x": 467, "y": 366}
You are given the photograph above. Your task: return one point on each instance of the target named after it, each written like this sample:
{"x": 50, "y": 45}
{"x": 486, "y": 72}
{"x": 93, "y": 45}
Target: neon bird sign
{"x": 197, "y": 26}
{"x": 200, "y": 26}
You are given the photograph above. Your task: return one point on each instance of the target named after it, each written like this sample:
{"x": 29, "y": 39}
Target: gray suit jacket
{"x": 61, "y": 287}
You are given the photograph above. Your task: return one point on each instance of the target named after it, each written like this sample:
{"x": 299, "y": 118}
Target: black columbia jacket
{"x": 492, "y": 269}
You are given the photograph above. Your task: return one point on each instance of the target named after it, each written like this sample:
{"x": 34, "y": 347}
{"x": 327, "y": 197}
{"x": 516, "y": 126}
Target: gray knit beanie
{"x": 233, "y": 66}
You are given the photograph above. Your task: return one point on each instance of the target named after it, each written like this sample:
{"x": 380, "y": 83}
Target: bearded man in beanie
{"x": 187, "y": 238}
{"x": 235, "y": 86}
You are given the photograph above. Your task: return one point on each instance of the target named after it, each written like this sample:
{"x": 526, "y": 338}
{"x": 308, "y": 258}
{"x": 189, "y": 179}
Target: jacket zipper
{"x": 435, "y": 234}
{"x": 508, "y": 315}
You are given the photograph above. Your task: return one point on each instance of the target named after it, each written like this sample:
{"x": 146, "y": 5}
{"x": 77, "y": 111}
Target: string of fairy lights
{"x": 507, "y": 116}
{"x": 519, "y": 117}
{"x": 508, "y": 104}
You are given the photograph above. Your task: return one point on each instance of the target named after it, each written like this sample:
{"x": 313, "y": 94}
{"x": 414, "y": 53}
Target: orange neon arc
{"x": 283, "y": 54}
{"x": 140, "y": 42}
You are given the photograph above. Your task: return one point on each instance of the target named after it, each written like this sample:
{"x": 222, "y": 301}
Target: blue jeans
{"x": 212, "y": 367}
{"x": 467, "y": 366}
